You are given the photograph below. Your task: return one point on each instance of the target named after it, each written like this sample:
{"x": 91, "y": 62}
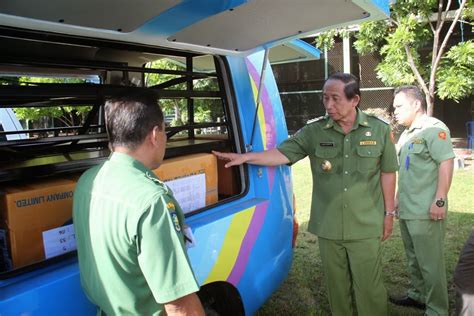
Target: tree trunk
{"x": 429, "y": 104}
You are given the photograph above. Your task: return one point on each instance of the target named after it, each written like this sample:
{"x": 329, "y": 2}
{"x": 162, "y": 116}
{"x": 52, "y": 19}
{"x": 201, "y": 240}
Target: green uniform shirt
{"x": 422, "y": 147}
{"x": 130, "y": 244}
{"x": 347, "y": 201}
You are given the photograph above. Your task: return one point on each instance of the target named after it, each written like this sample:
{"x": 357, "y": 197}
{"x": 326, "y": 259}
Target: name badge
{"x": 368, "y": 143}
{"x": 326, "y": 144}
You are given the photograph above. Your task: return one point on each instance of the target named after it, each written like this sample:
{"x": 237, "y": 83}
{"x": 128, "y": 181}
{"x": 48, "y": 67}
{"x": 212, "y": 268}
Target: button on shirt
{"x": 347, "y": 201}
{"x": 421, "y": 148}
{"x": 131, "y": 249}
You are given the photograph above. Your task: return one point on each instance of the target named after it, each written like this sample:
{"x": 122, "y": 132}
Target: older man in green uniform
{"x": 129, "y": 228}
{"x": 426, "y": 169}
{"x": 353, "y": 163}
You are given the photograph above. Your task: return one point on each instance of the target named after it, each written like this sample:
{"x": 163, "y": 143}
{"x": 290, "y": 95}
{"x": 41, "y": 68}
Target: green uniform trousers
{"x": 423, "y": 241}
{"x": 354, "y": 266}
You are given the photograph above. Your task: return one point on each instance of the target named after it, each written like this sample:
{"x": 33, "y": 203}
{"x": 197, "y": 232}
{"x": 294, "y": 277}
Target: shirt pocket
{"x": 417, "y": 149}
{"x": 368, "y": 158}
{"x": 326, "y": 155}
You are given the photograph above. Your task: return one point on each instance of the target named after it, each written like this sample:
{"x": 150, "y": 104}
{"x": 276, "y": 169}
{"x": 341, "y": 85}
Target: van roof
{"x": 207, "y": 26}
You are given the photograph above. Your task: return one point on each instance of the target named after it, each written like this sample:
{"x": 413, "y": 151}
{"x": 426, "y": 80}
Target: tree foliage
{"x": 415, "y": 26}
{"x": 205, "y": 110}
{"x": 67, "y": 114}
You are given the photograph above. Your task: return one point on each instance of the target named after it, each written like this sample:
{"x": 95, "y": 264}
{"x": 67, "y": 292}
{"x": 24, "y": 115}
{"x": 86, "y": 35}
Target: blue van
{"x": 209, "y": 62}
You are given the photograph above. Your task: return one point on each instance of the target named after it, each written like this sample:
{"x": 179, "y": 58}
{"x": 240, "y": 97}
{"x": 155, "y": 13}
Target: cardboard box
{"x": 33, "y": 218}
{"x": 188, "y": 177}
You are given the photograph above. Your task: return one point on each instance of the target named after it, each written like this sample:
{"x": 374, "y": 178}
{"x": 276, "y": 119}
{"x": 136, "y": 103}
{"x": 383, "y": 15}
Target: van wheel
{"x": 221, "y": 298}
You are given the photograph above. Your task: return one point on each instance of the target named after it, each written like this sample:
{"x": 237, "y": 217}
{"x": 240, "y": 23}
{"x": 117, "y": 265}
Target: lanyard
{"x": 407, "y": 160}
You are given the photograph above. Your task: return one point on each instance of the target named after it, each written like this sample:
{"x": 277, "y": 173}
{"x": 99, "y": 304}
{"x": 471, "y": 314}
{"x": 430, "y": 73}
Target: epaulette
{"x": 316, "y": 119}
{"x": 380, "y": 118}
{"x": 160, "y": 184}
{"x": 152, "y": 178}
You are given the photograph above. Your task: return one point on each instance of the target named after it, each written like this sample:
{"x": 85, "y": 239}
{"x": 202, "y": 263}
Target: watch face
{"x": 440, "y": 203}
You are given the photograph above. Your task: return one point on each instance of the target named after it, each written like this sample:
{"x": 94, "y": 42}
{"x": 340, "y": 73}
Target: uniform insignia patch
{"x": 368, "y": 143}
{"x": 170, "y": 206}
{"x": 368, "y": 133}
{"x": 175, "y": 219}
{"x": 442, "y": 135}
{"x": 418, "y": 141}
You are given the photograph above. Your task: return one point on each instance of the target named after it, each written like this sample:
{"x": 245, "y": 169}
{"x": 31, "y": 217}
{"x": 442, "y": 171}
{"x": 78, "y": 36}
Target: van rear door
{"x": 210, "y": 26}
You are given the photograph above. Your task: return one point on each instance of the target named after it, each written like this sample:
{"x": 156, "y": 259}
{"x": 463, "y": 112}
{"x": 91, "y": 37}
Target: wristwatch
{"x": 440, "y": 202}
{"x": 393, "y": 213}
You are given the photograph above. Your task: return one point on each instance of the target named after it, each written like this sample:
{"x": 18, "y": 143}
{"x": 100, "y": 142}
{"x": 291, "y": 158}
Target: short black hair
{"x": 351, "y": 84}
{"x": 131, "y": 115}
{"x": 413, "y": 92}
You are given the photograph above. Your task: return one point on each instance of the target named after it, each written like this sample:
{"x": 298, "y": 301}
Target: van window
{"x": 59, "y": 102}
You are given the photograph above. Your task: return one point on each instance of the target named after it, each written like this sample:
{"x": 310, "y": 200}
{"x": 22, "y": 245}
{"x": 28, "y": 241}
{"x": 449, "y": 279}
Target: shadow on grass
{"x": 304, "y": 291}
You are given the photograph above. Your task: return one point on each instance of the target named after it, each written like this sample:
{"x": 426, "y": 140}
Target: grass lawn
{"x": 304, "y": 291}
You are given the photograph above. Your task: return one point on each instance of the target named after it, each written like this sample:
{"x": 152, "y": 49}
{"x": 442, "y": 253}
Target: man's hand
{"x": 233, "y": 158}
{"x": 271, "y": 157}
{"x": 387, "y": 227}
{"x": 436, "y": 212}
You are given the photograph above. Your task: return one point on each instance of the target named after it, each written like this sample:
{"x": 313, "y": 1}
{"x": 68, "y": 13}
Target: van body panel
{"x": 237, "y": 248}
{"x": 55, "y": 290}
{"x": 293, "y": 51}
{"x": 232, "y": 239}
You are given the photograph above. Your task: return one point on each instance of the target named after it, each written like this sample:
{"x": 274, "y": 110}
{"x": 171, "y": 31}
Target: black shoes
{"x": 407, "y": 301}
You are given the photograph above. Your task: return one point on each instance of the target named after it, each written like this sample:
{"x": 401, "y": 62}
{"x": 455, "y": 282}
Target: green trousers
{"x": 423, "y": 241}
{"x": 354, "y": 266}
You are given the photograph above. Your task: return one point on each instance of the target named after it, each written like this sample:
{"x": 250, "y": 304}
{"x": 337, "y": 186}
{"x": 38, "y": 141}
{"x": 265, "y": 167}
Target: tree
{"x": 68, "y": 115}
{"x": 415, "y": 25}
{"x": 204, "y": 109}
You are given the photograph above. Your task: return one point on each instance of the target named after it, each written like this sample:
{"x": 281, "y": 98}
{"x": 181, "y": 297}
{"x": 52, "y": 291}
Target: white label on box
{"x": 58, "y": 241}
{"x": 190, "y": 192}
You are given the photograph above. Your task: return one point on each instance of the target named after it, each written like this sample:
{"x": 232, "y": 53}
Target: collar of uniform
{"x": 128, "y": 160}
{"x": 417, "y": 123}
{"x": 329, "y": 123}
{"x": 361, "y": 119}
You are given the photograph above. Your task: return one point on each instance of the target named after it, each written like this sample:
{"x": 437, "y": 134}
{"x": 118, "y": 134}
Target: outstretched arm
{"x": 272, "y": 157}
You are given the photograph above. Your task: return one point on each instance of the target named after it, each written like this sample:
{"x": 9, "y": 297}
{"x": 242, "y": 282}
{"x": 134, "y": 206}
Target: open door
{"x": 208, "y": 26}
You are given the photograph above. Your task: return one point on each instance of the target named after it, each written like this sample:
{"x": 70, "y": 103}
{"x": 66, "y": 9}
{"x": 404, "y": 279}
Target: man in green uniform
{"x": 129, "y": 228}
{"x": 426, "y": 169}
{"x": 353, "y": 163}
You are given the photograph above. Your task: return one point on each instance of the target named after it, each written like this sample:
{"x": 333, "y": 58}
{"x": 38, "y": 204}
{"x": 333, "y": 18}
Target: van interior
{"x": 56, "y": 86}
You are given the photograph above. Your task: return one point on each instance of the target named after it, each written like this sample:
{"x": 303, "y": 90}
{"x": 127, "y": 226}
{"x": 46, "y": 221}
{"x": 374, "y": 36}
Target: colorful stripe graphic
{"x": 265, "y": 115}
{"x": 245, "y": 226}
{"x": 231, "y": 246}
{"x": 248, "y": 242}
